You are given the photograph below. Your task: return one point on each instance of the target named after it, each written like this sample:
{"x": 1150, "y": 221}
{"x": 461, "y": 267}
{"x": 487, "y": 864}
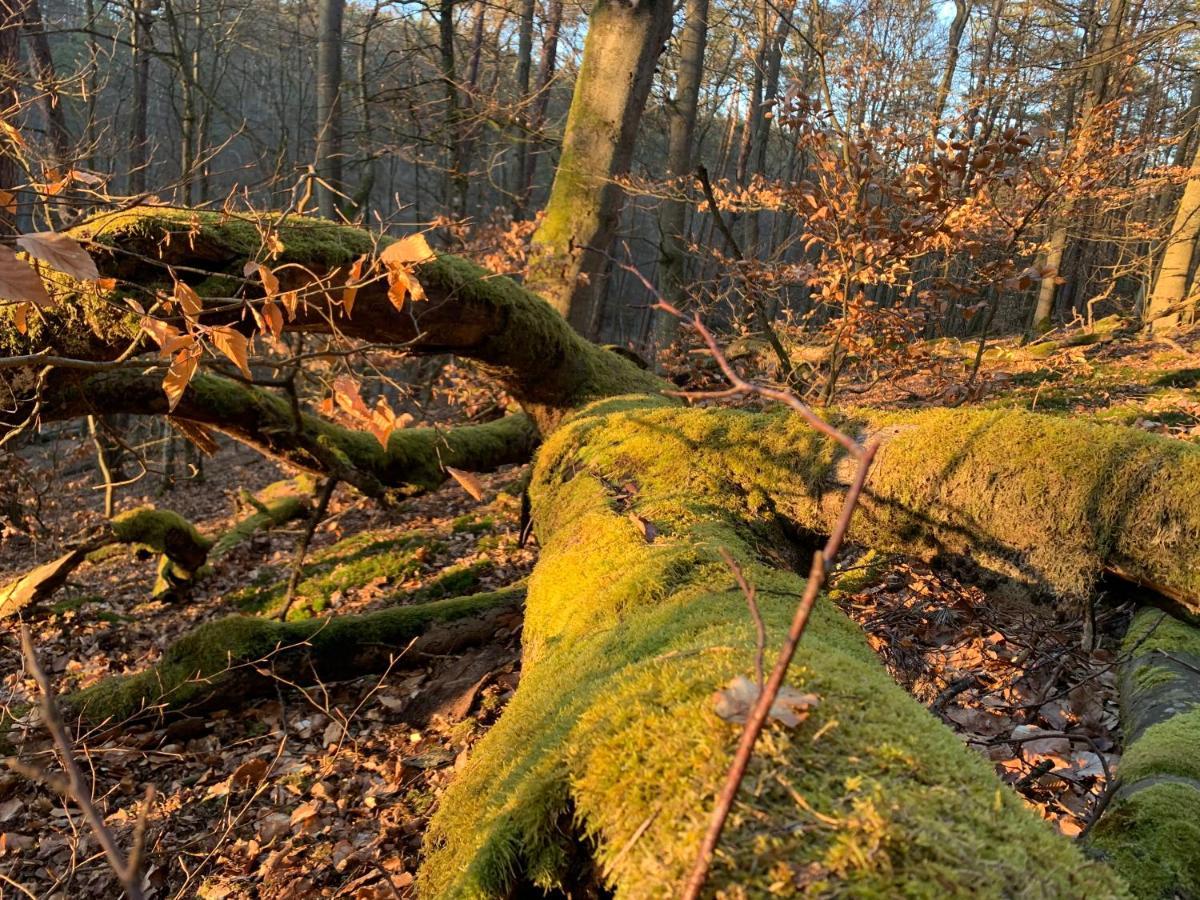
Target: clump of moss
{"x": 1150, "y": 830}
{"x": 613, "y": 727}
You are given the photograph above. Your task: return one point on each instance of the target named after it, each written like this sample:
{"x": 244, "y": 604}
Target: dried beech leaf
{"x": 61, "y": 253}
{"x": 645, "y": 527}
{"x": 19, "y": 282}
{"x": 467, "y": 481}
{"x": 234, "y": 345}
{"x": 183, "y": 367}
{"x": 735, "y": 701}
{"x": 407, "y": 251}
{"x": 189, "y": 301}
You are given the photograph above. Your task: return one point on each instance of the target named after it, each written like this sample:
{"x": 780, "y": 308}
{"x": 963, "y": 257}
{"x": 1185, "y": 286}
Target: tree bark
{"x": 1169, "y": 304}
{"x": 570, "y": 250}
{"x": 681, "y": 115}
{"x": 330, "y": 14}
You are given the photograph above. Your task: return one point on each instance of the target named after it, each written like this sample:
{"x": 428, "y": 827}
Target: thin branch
{"x": 127, "y": 870}
{"x": 822, "y": 560}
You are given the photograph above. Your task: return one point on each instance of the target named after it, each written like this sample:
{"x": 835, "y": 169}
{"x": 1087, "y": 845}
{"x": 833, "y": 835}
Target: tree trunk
{"x": 329, "y": 104}
{"x": 140, "y": 49}
{"x": 1169, "y": 303}
{"x": 962, "y": 12}
{"x": 546, "y": 68}
{"x": 681, "y": 115}
{"x": 570, "y": 249}
{"x": 523, "y": 99}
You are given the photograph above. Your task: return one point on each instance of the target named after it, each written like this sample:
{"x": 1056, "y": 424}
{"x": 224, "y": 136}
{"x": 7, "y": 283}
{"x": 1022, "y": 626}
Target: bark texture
{"x": 570, "y": 249}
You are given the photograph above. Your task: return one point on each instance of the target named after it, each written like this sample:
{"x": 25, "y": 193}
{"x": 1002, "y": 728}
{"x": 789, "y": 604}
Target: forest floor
{"x": 326, "y": 791}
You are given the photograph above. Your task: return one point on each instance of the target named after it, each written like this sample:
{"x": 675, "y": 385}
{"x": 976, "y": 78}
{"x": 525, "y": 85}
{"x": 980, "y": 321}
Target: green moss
{"x": 1151, "y": 836}
{"x": 351, "y": 563}
{"x": 1152, "y": 631}
{"x": 613, "y": 725}
{"x": 74, "y": 604}
{"x": 472, "y": 524}
{"x": 1171, "y": 747}
{"x": 160, "y": 530}
{"x": 224, "y": 653}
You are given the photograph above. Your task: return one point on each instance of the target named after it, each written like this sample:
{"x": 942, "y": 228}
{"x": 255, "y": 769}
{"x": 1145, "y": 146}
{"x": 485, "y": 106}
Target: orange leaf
{"x": 20, "y": 282}
{"x": 169, "y": 338}
{"x": 234, "y": 345}
{"x": 20, "y": 317}
{"x": 183, "y": 367}
{"x": 61, "y": 253}
{"x": 189, "y": 301}
{"x": 407, "y": 251}
{"x": 351, "y": 290}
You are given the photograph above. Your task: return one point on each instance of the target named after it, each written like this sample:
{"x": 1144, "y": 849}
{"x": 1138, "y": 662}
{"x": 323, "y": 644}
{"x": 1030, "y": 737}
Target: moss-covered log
{"x": 182, "y": 550}
{"x": 1150, "y": 827}
{"x": 274, "y": 505}
{"x": 517, "y": 336}
{"x": 612, "y": 748}
{"x": 221, "y": 660}
{"x": 414, "y": 460}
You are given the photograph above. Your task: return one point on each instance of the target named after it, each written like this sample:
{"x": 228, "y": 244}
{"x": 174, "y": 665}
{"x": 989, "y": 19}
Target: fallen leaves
{"x": 467, "y": 481}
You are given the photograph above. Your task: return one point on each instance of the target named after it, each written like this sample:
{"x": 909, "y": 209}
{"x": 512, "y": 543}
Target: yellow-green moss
{"x": 276, "y": 504}
{"x": 611, "y": 739}
{"x": 1152, "y": 837}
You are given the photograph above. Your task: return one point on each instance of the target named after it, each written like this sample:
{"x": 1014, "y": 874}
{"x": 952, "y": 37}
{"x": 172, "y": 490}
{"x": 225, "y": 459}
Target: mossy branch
{"x": 414, "y": 460}
{"x": 225, "y": 659}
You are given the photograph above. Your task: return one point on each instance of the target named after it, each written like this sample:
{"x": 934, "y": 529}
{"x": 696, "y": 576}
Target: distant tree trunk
{"x": 681, "y": 114}
{"x": 140, "y": 49}
{"x": 329, "y": 102}
{"x": 1097, "y": 74}
{"x": 570, "y": 248}
{"x": 524, "y": 134}
{"x": 962, "y": 12}
{"x": 542, "y": 101}
{"x": 47, "y": 79}
{"x": 1167, "y": 306}
{"x": 11, "y": 16}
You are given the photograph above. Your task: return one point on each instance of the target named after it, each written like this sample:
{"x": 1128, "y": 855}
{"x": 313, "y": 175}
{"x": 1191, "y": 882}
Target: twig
{"x": 127, "y": 870}
{"x": 302, "y": 546}
{"x": 816, "y": 579}
{"x": 760, "y": 629}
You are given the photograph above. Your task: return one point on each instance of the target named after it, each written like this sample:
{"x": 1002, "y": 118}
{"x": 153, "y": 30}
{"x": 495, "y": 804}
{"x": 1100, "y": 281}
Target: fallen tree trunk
{"x": 1150, "y": 825}
{"x": 612, "y": 746}
{"x": 611, "y": 750}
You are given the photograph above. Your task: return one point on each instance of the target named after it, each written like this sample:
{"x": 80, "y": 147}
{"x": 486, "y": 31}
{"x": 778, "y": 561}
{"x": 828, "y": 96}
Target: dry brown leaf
{"x": 467, "y": 481}
{"x": 61, "y": 253}
{"x": 645, "y": 527}
{"x": 189, "y": 301}
{"x": 350, "y": 292}
{"x": 19, "y": 282}
{"x": 250, "y": 773}
{"x": 183, "y": 367}
{"x": 737, "y": 699}
{"x": 21, "y": 317}
{"x": 234, "y": 345}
